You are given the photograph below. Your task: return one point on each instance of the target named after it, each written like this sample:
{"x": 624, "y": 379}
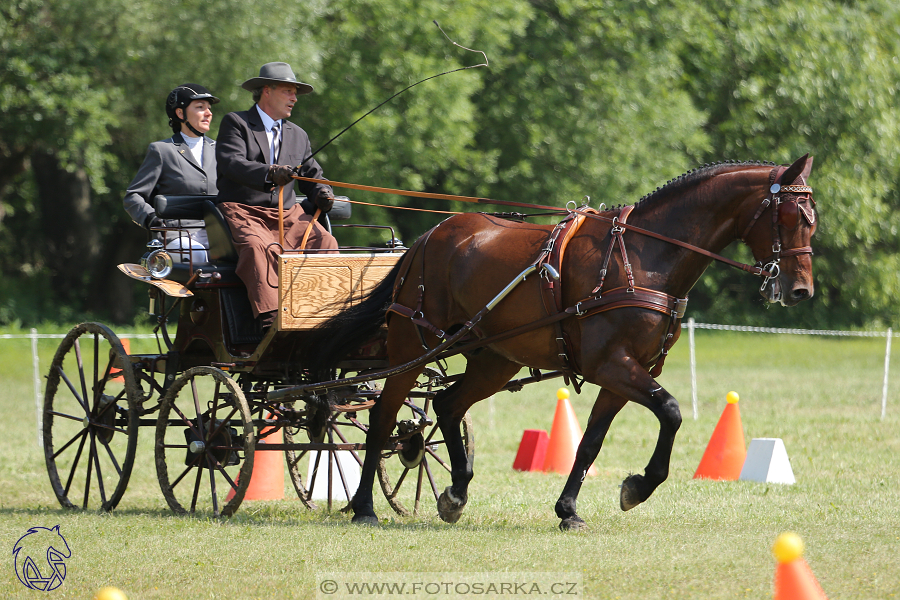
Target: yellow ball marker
{"x": 562, "y": 394}
{"x": 787, "y": 547}
{"x": 732, "y": 397}
{"x": 110, "y": 593}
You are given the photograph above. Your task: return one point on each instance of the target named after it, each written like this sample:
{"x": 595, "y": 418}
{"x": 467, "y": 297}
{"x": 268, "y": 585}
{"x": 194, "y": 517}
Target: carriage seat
{"x": 222, "y": 253}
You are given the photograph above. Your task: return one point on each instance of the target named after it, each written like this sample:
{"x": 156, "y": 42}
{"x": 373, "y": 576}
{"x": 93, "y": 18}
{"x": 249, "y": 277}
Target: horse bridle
{"x": 785, "y": 214}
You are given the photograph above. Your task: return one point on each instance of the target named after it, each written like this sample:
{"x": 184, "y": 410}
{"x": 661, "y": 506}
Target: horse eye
{"x": 788, "y": 214}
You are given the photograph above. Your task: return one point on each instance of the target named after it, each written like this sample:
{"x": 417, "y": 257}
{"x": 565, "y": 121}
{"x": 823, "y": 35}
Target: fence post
{"x": 887, "y": 365}
{"x": 693, "y": 366}
{"x": 37, "y": 387}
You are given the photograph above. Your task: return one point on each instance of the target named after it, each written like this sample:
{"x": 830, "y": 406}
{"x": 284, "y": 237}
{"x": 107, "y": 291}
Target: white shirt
{"x": 196, "y": 146}
{"x": 269, "y": 123}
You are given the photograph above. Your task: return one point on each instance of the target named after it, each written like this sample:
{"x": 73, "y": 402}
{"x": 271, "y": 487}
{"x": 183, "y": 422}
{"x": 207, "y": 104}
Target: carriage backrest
{"x": 221, "y": 245}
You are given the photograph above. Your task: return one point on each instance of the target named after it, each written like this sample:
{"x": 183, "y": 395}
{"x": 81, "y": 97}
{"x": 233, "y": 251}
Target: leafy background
{"x": 608, "y": 99}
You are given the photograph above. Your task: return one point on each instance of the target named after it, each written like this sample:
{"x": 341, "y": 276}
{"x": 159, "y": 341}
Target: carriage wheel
{"x": 90, "y": 419}
{"x": 293, "y": 464}
{"x": 422, "y": 467}
{"x": 341, "y": 427}
{"x": 204, "y": 443}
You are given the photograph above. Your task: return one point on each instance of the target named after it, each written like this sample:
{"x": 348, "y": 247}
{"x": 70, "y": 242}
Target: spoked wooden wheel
{"x": 204, "y": 443}
{"x": 338, "y": 473}
{"x": 421, "y": 470}
{"x": 90, "y": 421}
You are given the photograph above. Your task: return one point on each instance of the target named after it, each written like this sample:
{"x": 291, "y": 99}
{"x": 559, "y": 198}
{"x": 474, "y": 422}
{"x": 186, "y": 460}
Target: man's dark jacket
{"x": 242, "y": 161}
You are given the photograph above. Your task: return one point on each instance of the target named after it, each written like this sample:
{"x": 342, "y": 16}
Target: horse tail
{"x": 354, "y": 326}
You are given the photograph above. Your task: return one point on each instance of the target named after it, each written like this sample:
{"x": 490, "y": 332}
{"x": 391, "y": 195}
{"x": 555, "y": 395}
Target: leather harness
{"x": 549, "y": 263}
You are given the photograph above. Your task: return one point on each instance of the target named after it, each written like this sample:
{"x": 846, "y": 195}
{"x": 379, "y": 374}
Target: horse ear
{"x": 807, "y": 169}
{"x": 796, "y": 170}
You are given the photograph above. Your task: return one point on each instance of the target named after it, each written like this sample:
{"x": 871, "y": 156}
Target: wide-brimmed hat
{"x": 275, "y": 73}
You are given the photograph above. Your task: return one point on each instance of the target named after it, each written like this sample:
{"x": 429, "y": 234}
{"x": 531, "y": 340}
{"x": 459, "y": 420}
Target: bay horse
{"x": 453, "y": 272}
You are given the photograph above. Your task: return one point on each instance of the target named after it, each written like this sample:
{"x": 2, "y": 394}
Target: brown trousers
{"x": 255, "y": 233}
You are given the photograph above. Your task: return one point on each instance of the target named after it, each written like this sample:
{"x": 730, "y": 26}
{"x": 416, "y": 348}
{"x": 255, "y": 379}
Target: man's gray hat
{"x": 274, "y": 73}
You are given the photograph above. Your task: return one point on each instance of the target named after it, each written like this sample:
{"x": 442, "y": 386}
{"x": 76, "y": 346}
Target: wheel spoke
{"x": 112, "y": 457}
{"x": 80, "y": 364}
{"x": 196, "y": 397}
{"x": 434, "y": 487}
{"x": 96, "y": 456}
{"x": 87, "y": 480}
{"x": 70, "y": 442}
{"x": 77, "y": 458}
{"x": 186, "y": 471}
{"x": 212, "y": 484}
{"x": 96, "y": 365}
{"x": 65, "y": 416}
{"x": 196, "y": 489}
{"x": 75, "y": 393}
{"x": 187, "y": 421}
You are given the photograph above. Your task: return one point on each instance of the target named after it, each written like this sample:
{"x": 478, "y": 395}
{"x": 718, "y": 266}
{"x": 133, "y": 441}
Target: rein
{"x": 756, "y": 269}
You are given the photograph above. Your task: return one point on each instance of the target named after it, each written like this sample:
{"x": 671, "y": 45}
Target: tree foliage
{"x": 603, "y": 98}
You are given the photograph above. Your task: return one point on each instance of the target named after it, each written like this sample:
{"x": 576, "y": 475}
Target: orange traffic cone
{"x": 564, "y": 438}
{"x": 794, "y": 580}
{"x": 725, "y": 454}
{"x": 126, "y": 343}
{"x": 267, "y": 480}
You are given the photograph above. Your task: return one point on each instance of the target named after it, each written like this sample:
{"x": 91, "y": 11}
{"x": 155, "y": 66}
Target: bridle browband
{"x": 771, "y": 265}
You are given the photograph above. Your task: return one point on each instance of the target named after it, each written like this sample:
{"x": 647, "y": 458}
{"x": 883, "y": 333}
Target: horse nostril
{"x": 800, "y": 294}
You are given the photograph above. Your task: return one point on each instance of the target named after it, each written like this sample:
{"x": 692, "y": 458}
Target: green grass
{"x": 691, "y": 539}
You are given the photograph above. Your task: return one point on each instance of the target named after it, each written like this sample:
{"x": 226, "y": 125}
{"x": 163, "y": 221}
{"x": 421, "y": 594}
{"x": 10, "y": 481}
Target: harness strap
{"x": 636, "y": 297}
{"x": 618, "y": 228}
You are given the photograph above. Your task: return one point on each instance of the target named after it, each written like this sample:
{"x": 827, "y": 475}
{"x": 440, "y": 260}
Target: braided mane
{"x": 692, "y": 177}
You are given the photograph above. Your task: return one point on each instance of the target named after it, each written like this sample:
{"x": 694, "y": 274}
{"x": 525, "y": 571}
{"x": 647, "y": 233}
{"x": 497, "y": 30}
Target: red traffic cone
{"x": 794, "y": 580}
{"x": 267, "y": 480}
{"x": 564, "y": 438}
{"x": 725, "y": 454}
{"x": 532, "y": 450}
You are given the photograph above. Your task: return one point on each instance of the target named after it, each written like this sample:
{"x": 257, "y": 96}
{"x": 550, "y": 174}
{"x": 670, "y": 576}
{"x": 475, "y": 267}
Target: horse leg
{"x": 383, "y": 417}
{"x": 634, "y": 383}
{"x": 606, "y": 407}
{"x": 484, "y": 376}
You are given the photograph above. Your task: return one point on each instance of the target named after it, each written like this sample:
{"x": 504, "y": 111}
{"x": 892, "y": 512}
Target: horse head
{"x": 779, "y": 234}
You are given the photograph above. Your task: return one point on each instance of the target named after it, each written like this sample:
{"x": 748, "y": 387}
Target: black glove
{"x": 281, "y": 174}
{"x": 324, "y": 201}
{"x": 153, "y": 221}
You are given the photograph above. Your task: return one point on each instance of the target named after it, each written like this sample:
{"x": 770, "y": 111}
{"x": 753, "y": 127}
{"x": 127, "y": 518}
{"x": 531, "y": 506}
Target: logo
{"x": 40, "y": 558}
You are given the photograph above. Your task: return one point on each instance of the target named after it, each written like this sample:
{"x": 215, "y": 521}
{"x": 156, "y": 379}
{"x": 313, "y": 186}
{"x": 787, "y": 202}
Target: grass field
{"x": 691, "y": 539}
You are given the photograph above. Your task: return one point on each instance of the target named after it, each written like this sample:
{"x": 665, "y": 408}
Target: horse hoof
{"x": 449, "y": 508}
{"x": 629, "y": 497}
{"x": 575, "y": 523}
{"x": 368, "y": 520}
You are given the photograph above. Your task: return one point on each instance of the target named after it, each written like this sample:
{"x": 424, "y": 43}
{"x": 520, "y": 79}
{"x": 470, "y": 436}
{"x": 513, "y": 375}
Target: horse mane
{"x": 687, "y": 180}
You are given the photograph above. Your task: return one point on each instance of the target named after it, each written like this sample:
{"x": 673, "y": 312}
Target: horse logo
{"x": 38, "y": 543}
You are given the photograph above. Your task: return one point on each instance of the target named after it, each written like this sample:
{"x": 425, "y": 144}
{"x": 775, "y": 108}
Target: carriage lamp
{"x": 156, "y": 260}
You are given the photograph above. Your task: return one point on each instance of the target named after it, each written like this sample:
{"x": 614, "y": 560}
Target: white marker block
{"x": 767, "y": 462}
{"x": 349, "y": 466}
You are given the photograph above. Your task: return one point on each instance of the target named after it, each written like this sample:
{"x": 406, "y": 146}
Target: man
{"x": 256, "y": 152}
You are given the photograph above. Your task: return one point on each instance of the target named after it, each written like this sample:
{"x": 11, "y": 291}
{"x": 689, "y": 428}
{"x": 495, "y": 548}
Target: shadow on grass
{"x": 278, "y": 515}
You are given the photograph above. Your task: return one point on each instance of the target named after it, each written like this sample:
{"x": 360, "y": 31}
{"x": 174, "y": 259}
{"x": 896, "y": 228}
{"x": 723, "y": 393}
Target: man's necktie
{"x": 276, "y": 143}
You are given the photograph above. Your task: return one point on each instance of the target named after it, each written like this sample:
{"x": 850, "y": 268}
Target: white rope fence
{"x": 692, "y": 325}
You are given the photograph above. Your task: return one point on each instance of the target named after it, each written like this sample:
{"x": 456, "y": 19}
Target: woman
{"x": 182, "y": 165}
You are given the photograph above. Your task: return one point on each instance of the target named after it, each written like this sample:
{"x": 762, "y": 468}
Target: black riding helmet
{"x": 180, "y": 97}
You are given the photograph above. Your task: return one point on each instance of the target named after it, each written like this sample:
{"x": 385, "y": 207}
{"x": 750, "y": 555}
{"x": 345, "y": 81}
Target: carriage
{"x": 220, "y": 388}
{"x": 574, "y": 300}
